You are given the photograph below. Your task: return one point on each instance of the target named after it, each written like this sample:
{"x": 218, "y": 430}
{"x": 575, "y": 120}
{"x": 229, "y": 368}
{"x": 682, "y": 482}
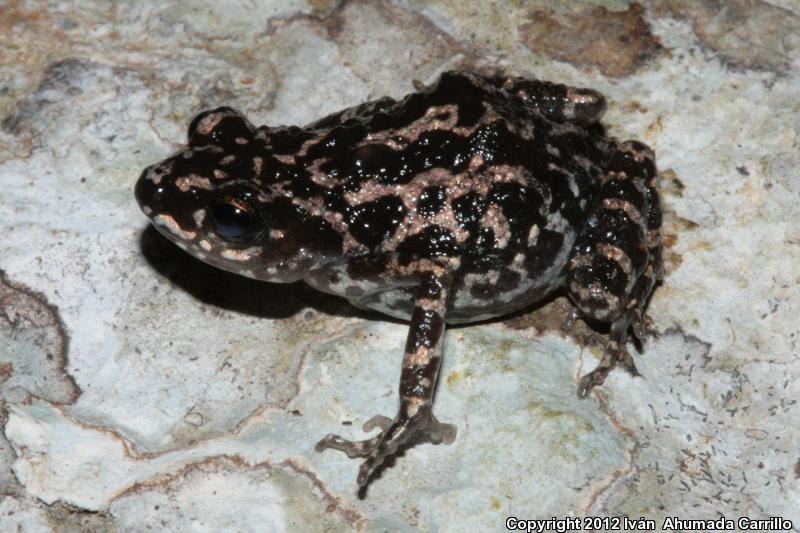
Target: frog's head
{"x": 212, "y": 199}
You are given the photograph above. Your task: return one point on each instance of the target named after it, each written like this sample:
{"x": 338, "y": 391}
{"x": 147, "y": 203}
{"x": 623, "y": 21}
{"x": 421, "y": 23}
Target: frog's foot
{"x": 613, "y": 354}
{"x": 642, "y": 327}
{"x": 395, "y": 434}
{"x": 615, "y": 351}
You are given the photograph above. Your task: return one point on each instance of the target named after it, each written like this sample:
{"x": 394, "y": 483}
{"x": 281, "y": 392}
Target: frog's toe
{"x": 443, "y": 434}
{"x": 627, "y": 361}
{"x": 352, "y": 448}
{"x": 638, "y": 322}
{"x": 377, "y": 422}
{"x": 645, "y": 328}
{"x": 639, "y": 330}
{"x": 597, "y": 376}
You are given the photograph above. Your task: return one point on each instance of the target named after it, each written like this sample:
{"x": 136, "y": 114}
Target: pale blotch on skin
{"x": 596, "y": 292}
{"x": 557, "y": 222}
{"x": 588, "y": 165}
{"x": 241, "y": 255}
{"x": 624, "y": 205}
{"x": 199, "y": 217}
{"x": 168, "y": 222}
{"x": 533, "y": 235}
{"x": 552, "y": 150}
{"x": 157, "y": 173}
{"x": 640, "y": 153}
{"x": 569, "y": 176}
{"x": 193, "y": 180}
{"x": 286, "y": 159}
{"x": 580, "y": 261}
{"x": 476, "y": 162}
{"x": 617, "y": 255}
{"x": 494, "y": 219}
{"x": 414, "y": 404}
{"x": 419, "y": 358}
{"x": 427, "y": 304}
{"x": 428, "y": 122}
{"x": 207, "y": 125}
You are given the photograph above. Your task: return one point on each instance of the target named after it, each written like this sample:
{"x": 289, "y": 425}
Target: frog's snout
{"x": 145, "y": 192}
{"x": 149, "y": 194}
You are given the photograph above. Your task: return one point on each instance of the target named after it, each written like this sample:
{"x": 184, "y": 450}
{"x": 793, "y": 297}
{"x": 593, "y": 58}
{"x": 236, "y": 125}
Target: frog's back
{"x": 461, "y": 168}
{"x": 464, "y": 169}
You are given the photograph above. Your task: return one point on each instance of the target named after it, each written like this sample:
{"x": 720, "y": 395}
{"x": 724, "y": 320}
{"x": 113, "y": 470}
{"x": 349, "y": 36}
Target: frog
{"x": 471, "y": 198}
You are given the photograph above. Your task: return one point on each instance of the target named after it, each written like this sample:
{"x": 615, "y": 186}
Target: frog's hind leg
{"x": 560, "y": 103}
{"x": 415, "y": 421}
{"x": 617, "y": 259}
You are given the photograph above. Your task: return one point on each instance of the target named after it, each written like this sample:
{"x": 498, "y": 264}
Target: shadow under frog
{"x": 240, "y": 294}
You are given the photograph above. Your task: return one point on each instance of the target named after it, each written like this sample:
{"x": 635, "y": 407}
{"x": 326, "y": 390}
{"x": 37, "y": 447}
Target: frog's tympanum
{"x": 469, "y": 199}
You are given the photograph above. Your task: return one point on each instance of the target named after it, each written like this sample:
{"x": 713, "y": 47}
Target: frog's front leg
{"x": 617, "y": 259}
{"x": 421, "y": 361}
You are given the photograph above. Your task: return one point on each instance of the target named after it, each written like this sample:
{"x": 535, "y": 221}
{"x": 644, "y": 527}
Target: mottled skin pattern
{"x": 469, "y": 199}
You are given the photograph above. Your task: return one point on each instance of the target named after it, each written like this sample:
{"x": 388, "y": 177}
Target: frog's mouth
{"x": 258, "y": 259}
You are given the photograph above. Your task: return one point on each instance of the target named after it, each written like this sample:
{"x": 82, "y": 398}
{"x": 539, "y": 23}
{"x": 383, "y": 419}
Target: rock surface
{"x": 141, "y": 388}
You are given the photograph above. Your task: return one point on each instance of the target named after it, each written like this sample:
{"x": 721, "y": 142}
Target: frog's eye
{"x": 235, "y": 219}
